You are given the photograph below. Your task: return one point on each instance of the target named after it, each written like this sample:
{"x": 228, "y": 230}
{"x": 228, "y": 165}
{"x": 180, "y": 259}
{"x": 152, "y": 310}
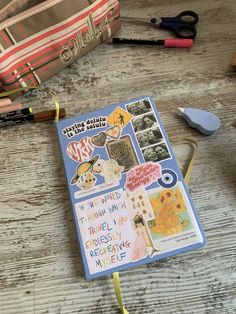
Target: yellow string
{"x": 187, "y": 176}
{"x": 17, "y": 90}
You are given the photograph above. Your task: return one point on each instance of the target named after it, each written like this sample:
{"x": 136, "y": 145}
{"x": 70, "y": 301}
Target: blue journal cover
{"x": 130, "y": 202}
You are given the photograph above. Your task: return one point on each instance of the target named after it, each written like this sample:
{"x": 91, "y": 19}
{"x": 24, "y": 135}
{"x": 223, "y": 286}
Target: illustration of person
{"x": 143, "y": 245}
{"x": 121, "y": 118}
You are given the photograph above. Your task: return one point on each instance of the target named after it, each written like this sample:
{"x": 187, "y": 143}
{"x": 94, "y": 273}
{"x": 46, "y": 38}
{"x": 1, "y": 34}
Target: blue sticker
{"x": 169, "y": 178}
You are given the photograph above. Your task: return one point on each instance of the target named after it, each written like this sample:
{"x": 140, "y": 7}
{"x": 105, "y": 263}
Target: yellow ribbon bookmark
{"x": 194, "y": 144}
{"x": 116, "y": 279}
{"x": 21, "y": 89}
{"x": 187, "y": 175}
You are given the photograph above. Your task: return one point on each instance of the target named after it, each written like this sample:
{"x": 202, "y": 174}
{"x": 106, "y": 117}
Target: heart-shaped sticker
{"x": 140, "y": 197}
{"x": 99, "y": 140}
{"x": 114, "y": 132}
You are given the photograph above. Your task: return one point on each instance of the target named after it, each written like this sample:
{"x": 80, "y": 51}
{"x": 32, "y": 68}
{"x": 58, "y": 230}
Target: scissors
{"x": 182, "y": 25}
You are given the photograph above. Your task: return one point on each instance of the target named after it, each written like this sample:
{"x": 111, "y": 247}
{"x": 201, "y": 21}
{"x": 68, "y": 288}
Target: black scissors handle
{"x": 182, "y": 24}
{"x": 184, "y": 17}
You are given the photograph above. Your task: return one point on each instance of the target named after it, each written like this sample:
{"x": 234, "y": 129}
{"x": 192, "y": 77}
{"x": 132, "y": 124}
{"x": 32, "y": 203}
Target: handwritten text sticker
{"x": 142, "y": 175}
{"x": 80, "y": 151}
{"x": 106, "y": 230}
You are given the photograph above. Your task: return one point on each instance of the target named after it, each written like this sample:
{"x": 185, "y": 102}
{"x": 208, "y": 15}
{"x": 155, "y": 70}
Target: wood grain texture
{"x": 40, "y": 266}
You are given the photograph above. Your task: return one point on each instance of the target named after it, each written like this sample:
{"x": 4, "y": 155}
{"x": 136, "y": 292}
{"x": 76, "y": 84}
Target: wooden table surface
{"x": 40, "y": 266}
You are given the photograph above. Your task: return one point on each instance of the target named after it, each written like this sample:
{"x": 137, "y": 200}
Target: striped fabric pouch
{"x": 38, "y": 38}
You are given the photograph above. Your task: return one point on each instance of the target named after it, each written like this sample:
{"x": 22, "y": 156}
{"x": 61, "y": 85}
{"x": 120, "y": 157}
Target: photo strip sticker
{"x": 156, "y": 153}
{"x": 149, "y": 137}
{"x": 144, "y": 122}
{"x": 139, "y": 107}
{"x": 147, "y": 131}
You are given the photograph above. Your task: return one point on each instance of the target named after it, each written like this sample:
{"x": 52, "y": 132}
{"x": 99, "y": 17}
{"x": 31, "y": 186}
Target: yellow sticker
{"x": 119, "y": 117}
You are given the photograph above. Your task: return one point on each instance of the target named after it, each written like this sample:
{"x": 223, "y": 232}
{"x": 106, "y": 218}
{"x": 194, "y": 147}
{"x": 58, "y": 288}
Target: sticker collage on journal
{"x": 129, "y": 200}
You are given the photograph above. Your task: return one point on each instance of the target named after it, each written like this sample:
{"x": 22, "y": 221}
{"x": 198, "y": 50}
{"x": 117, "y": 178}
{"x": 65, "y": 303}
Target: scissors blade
{"x": 141, "y": 20}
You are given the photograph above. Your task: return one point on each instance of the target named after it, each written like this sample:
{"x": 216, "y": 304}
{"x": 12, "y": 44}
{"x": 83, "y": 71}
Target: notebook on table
{"x": 129, "y": 199}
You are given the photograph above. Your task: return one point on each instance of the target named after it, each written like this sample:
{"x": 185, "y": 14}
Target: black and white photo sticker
{"x": 148, "y": 132}
{"x": 139, "y": 107}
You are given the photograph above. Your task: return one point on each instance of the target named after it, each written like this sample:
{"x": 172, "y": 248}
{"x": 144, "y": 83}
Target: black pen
{"x": 169, "y": 43}
{"x": 36, "y": 117}
{"x": 15, "y": 112}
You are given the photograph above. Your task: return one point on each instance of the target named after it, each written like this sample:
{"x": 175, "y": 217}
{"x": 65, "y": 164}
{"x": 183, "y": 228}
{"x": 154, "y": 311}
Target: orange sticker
{"x": 119, "y": 117}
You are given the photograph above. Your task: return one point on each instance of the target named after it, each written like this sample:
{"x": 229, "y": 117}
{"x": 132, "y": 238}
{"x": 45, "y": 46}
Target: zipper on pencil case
{"x": 11, "y": 7}
{"x": 34, "y": 10}
{"x": 30, "y": 12}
